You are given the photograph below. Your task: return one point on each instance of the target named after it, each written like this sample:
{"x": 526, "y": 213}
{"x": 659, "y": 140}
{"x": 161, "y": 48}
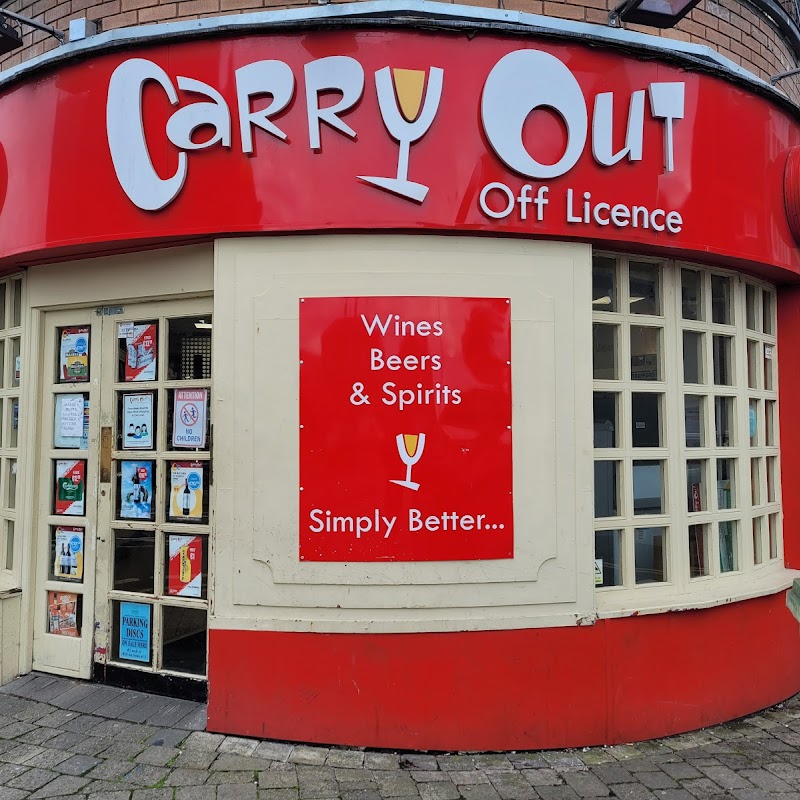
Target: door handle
{"x": 105, "y": 455}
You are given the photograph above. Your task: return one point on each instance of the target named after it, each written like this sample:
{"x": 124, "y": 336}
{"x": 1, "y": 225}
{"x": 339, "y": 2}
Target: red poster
{"x": 140, "y": 362}
{"x": 405, "y": 438}
{"x": 185, "y": 566}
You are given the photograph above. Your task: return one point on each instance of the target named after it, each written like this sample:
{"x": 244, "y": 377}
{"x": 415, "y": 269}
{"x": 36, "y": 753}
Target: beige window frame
{"x": 692, "y": 521}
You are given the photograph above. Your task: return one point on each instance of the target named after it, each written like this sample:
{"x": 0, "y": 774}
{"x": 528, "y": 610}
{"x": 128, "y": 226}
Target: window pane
{"x": 769, "y": 410}
{"x": 186, "y": 565}
{"x": 767, "y": 321}
{"x": 184, "y": 639}
{"x": 696, "y": 486}
{"x": 2, "y": 305}
{"x": 13, "y": 422}
{"x": 755, "y": 481}
{"x": 758, "y": 552}
{"x": 648, "y": 490}
{"x": 604, "y": 284}
{"x": 753, "y": 349}
{"x": 134, "y": 561}
{"x": 728, "y": 547}
{"x": 133, "y": 629}
{"x": 604, "y": 351}
{"x": 726, "y": 494}
{"x": 11, "y": 483}
{"x": 608, "y": 551}
{"x": 606, "y": 488}
{"x": 138, "y": 351}
{"x": 645, "y": 352}
{"x": 723, "y": 418}
{"x": 693, "y": 407}
{"x": 649, "y": 555}
{"x": 769, "y": 368}
{"x": 605, "y": 419}
{"x": 698, "y": 551}
{"x": 691, "y": 294}
{"x": 646, "y": 422}
{"x": 723, "y": 360}
{"x": 773, "y": 535}
{"x": 721, "y": 311}
{"x": 753, "y": 422}
{"x": 772, "y": 471}
{"x": 645, "y": 294}
{"x": 693, "y": 357}
{"x": 189, "y": 348}
{"x": 16, "y": 303}
{"x": 9, "y": 544}
{"x": 751, "y": 306}
{"x": 16, "y": 362}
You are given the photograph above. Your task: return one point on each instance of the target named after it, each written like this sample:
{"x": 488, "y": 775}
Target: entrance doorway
{"x": 123, "y": 520}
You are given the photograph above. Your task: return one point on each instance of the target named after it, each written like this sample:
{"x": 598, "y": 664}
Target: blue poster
{"x": 136, "y": 490}
{"x": 134, "y": 631}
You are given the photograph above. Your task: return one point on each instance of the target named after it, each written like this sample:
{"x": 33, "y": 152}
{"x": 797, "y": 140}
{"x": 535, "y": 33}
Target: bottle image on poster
{"x": 74, "y": 355}
{"x": 134, "y": 632}
{"x": 62, "y": 614}
{"x": 70, "y": 488}
{"x": 186, "y": 491}
{"x": 185, "y": 571}
{"x": 68, "y": 561}
{"x": 137, "y": 421}
{"x": 141, "y": 357}
{"x": 136, "y": 490}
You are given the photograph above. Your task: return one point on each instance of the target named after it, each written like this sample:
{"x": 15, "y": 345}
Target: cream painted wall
{"x": 259, "y": 581}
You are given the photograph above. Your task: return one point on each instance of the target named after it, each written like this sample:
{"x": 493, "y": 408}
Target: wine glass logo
{"x": 407, "y": 123}
{"x": 410, "y": 447}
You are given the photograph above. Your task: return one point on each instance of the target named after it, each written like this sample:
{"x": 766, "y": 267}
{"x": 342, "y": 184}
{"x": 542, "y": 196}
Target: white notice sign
{"x": 189, "y": 418}
{"x": 71, "y": 416}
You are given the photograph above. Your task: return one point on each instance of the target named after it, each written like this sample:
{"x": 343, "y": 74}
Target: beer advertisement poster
{"x": 186, "y": 493}
{"x": 62, "y": 614}
{"x": 141, "y": 357}
{"x": 136, "y": 490}
{"x": 137, "y": 421}
{"x": 184, "y": 576}
{"x": 74, "y": 355}
{"x": 70, "y": 487}
{"x": 68, "y": 556}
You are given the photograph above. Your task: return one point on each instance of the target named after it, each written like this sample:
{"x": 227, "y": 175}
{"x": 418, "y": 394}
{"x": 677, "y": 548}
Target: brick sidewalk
{"x": 67, "y": 739}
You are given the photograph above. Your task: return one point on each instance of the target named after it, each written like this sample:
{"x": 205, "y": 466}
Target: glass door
{"x": 147, "y": 513}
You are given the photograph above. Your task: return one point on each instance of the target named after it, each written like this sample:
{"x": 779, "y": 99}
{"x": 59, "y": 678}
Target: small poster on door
{"x": 134, "y": 632}
{"x": 186, "y": 491}
{"x": 62, "y": 614}
{"x": 189, "y": 418}
{"x": 70, "y": 487}
{"x": 185, "y": 571}
{"x": 136, "y": 490}
{"x": 141, "y": 361}
{"x": 71, "y": 427}
{"x": 74, "y": 355}
{"x": 137, "y": 421}
{"x": 68, "y": 546}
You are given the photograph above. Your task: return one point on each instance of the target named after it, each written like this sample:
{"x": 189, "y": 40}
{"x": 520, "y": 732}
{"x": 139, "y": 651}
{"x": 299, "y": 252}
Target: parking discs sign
{"x": 189, "y": 418}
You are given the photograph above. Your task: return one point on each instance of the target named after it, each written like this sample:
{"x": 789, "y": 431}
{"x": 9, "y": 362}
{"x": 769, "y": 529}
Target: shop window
{"x": 693, "y": 500}
{"x": 11, "y": 380}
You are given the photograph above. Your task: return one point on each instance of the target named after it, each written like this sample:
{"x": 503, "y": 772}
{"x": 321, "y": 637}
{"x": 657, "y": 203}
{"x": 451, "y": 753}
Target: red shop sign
{"x": 405, "y": 440}
{"x": 392, "y": 130}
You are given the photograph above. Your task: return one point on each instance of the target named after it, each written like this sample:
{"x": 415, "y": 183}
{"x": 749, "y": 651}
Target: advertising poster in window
{"x": 71, "y": 421}
{"x": 141, "y": 358}
{"x": 136, "y": 490}
{"x": 62, "y": 614}
{"x": 74, "y": 355}
{"x": 134, "y": 632}
{"x": 70, "y": 487}
{"x": 68, "y": 561}
{"x": 137, "y": 421}
{"x": 405, "y": 429}
{"x": 189, "y": 418}
{"x": 184, "y": 574}
{"x": 186, "y": 491}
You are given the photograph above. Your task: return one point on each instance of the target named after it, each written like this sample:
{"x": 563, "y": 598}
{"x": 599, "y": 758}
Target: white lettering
{"x": 185, "y": 121}
{"x": 262, "y": 77}
{"x": 603, "y": 134}
{"x": 335, "y": 73}
{"x": 667, "y": 103}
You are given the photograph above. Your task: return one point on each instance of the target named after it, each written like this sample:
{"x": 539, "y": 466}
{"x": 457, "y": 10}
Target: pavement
{"x": 70, "y": 739}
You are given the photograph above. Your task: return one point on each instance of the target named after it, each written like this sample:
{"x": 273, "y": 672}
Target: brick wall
{"x": 728, "y": 26}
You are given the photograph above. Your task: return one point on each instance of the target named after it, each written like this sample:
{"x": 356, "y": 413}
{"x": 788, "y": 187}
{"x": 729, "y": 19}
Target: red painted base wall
{"x": 617, "y": 681}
